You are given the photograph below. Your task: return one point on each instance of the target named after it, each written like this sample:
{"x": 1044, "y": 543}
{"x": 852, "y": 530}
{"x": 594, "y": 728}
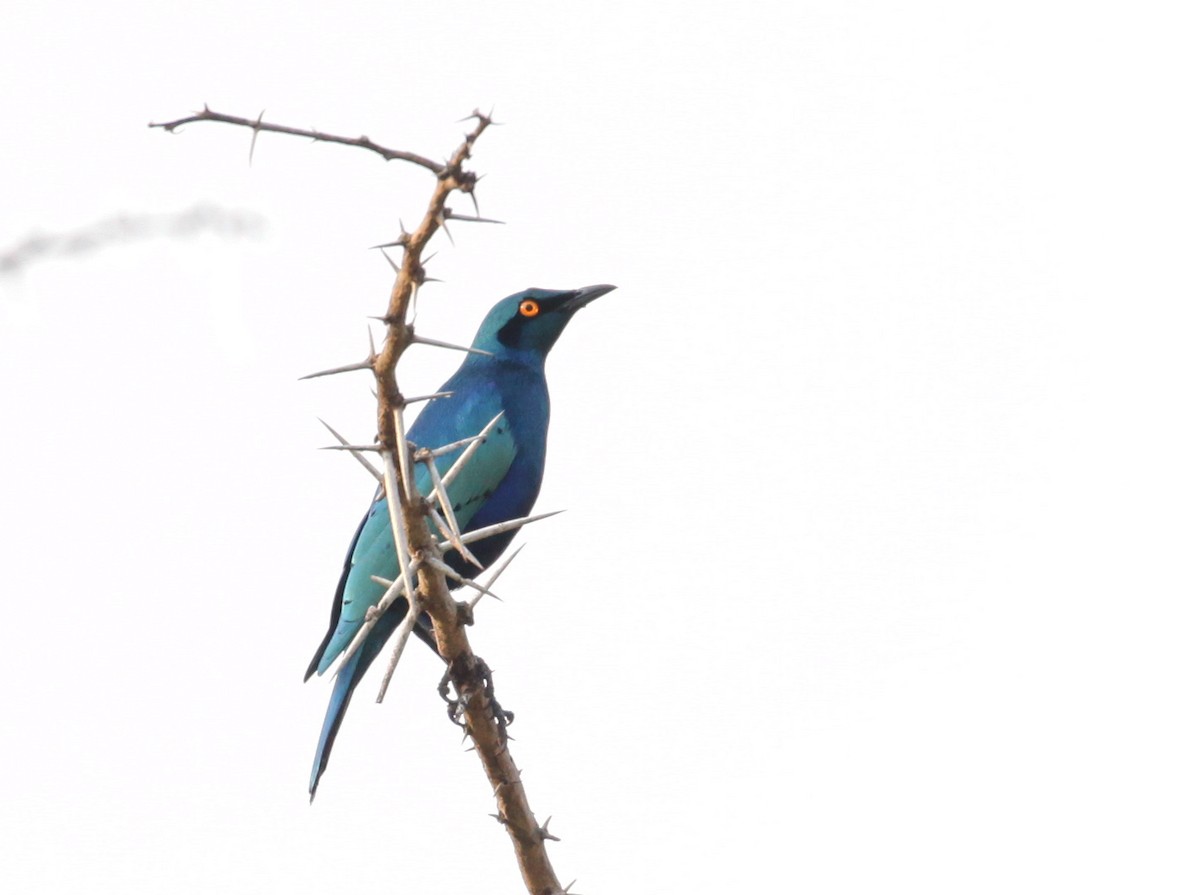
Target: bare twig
{"x": 258, "y": 125}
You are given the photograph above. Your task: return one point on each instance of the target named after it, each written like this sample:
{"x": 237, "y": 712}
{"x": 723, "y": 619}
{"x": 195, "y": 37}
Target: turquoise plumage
{"x": 500, "y": 482}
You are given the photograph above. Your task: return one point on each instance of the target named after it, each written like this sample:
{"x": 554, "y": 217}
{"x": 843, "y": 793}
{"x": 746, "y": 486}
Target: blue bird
{"x": 500, "y": 482}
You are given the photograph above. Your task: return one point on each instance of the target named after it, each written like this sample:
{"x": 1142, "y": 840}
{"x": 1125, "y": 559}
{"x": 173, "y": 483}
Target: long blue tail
{"x": 343, "y": 689}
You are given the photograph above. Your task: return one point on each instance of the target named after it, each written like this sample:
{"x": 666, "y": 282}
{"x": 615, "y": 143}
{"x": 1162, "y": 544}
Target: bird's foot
{"x": 456, "y": 705}
{"x": 466, "y": 614}
{"x": 502, "y": 717}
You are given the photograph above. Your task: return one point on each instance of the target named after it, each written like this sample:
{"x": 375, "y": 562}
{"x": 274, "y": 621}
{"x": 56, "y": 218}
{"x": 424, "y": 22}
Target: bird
{"x": 504, "y": 373}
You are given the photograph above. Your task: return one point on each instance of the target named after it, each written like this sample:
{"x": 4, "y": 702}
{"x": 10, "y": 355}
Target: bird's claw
{"x": 466, "y": 613}
{"x": 502, "y": 717}
{"x": 456, "y": 705}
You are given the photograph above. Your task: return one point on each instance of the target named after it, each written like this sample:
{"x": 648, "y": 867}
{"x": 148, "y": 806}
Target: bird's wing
{"x": 373, "y": 551}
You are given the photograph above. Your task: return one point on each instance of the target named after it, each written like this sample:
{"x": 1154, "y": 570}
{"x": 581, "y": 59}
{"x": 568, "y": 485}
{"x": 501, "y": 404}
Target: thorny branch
{"x": 468, "y": 673}
{"x": 258, "y": 125}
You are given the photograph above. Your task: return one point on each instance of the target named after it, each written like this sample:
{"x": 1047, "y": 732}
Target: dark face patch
{"x": 510, "y": 333}
{"x": 521, "y": 330}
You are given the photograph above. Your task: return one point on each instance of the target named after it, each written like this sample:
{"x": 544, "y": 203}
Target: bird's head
{"x": 531, "y": 321}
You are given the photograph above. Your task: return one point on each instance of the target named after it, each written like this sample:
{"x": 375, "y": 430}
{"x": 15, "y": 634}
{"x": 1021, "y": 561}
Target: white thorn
{"x": 453, "y": 538}
{"x": 504, "y": 565}
{"x": 431, "y": 397}
{"x": 426, "y": 453}
{"x": 404, "y": 460}
{"x": 486, "y": 587}
{"x": 348, "y": 368}
{"x": 449, "y": 572}
{"x": 437, "y": 343}
{"x": 479, "y": 534}
{"x": 357, "y": 453}
{"x": 390, "y": 490}
{"x": 466, "y": 455}
{"x": 406, "y": 626}
{"x": 388, "y": 598}
{"x": 442, "y": 497}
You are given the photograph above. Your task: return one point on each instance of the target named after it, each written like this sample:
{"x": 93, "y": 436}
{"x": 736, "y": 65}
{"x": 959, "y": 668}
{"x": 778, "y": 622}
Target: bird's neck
{"x": 527, "y": 362}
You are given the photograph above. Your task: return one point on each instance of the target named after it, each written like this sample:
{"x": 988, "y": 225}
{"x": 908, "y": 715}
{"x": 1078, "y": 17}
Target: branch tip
{"x": 257, "y": 124}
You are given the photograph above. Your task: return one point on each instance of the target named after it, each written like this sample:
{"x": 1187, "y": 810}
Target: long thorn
{"x": 388, "y": 598}
{"x": 361, "y": 365}
{"x": 254, "y": 137}
{"x": 504, "y": 565}
{"x": 442, "y": 497}
{"x": 449, "y": 572}
{"x": 404, "y": 460}
{"x": 390, "y": 490}
{"x": 395, "y": 266}
{"x": 465, "y": 458}
{"x": 399, "y": 242}
{"x": 486, "y": 587}
{"x": 357, "y": 454}
{"x": 451, "y": 216}
{"x": 440, "y": 344}
{"x": 423, "y": 454}
{"x": 406, "y": 626}
{"x": 430, "y": 397}
{"x": 453, "y": 538}
{"x": 404, "y": 583}
{"x": 479, "y": 534}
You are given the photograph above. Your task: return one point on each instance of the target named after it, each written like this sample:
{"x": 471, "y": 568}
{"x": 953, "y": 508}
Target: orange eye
{"x": 529, "y": 308}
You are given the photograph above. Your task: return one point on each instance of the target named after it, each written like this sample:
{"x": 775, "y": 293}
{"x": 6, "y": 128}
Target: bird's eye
{"x": 529, "y": 308}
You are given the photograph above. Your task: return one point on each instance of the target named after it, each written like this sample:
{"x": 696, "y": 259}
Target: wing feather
{"x": 373, "y": 551}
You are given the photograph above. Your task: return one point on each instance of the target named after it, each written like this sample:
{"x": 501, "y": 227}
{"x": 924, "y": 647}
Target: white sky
{"x": 880, "y": 567}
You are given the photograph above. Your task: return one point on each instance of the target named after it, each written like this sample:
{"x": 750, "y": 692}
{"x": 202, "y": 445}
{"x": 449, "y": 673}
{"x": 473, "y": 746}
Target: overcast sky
{"x": 879, "y": 570}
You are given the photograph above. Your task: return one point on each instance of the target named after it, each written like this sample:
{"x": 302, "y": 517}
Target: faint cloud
{"x": 124, "y": 228}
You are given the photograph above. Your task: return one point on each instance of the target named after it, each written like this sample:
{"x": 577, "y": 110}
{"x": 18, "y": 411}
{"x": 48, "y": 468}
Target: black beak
{"x": 586, "y": 295}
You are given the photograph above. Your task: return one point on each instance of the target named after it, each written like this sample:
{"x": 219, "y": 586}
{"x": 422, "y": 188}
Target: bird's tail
{"x": 343, "y": 688}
